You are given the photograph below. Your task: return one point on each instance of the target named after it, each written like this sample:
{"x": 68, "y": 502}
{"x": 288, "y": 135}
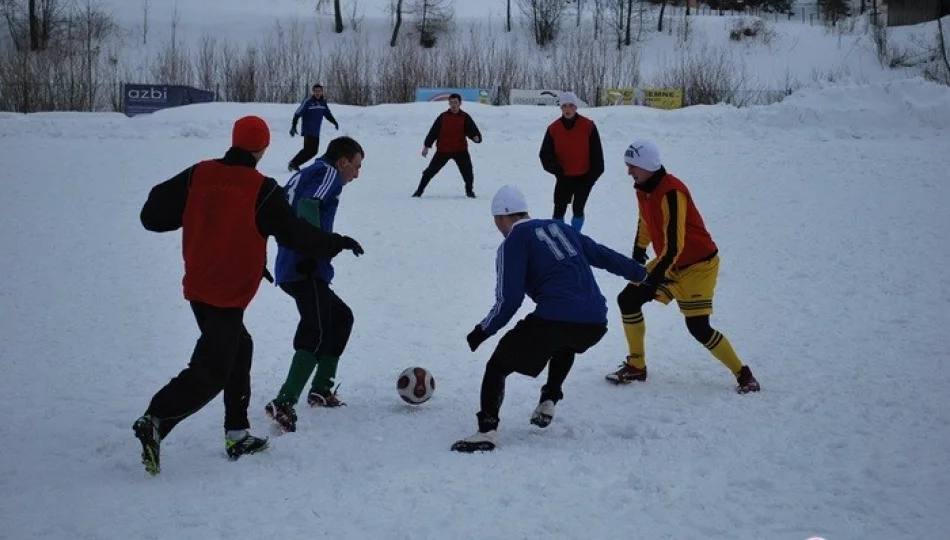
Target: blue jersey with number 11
{"x": 551, "y": 263}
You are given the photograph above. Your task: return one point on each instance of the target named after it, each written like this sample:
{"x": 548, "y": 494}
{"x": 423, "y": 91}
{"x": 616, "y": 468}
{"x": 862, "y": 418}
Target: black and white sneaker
{"x": 146, "y": 431}
{"x": 543, "y": 414}
{"x": 479, "y": 442}
{"x": 249, "y": 444}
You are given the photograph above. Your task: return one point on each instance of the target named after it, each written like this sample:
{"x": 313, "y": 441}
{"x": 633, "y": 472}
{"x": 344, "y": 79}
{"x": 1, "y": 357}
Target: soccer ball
{"x": 415, "y": 385}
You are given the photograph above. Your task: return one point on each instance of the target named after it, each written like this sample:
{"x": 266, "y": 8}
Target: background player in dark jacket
{"x": 449, "y": 133}
{"x": 313, "y": 110}
{"x": 685, "y": 268}
{"x": 325, "y": 320}
{"x": 573, "y": 153}
{"x": 226, "y": 210}
{"x": 551, "y": 263}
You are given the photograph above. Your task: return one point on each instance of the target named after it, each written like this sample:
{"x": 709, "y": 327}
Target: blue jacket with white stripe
{"x": 314, "y": 194}
{"x": 551, "y": 263}
{"x": 313, "y": 111}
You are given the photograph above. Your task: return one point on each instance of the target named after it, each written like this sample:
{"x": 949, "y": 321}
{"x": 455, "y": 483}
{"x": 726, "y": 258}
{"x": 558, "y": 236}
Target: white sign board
{"x": 519, "y": 96}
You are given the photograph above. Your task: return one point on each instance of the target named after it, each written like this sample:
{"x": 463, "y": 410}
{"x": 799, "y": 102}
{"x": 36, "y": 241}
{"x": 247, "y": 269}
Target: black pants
{"x": 527, "y": 348}
{"x": 574, "y": 190}
{"x": 462, "y": 159}
{"x": 325, "y": 320}
{"x": 221, "y": 361}
{"x": 311, "y": 145}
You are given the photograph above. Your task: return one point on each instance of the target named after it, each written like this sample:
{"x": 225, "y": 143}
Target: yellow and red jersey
{"x": 670, "y": 221}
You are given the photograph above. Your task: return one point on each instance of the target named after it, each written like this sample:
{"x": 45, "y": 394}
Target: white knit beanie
{"x": 644, "y": 154}
{"x": 508, "y": 200}
{"x": 567, "y": 98}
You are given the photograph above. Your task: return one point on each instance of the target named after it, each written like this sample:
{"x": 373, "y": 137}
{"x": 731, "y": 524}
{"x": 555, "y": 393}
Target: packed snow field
{"x": 829, "y": 210}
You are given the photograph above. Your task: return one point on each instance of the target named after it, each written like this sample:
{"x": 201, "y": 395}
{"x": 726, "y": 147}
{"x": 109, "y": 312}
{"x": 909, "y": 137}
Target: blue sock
{"x": 577, "y": 223}
{"x": 561, "y": 219}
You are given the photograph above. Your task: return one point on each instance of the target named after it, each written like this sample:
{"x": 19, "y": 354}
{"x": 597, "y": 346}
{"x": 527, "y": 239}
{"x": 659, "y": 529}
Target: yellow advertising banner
{"x": 657, "y": 98}
{"x": 617, "y": 96}
{"x": 662, "y": 98}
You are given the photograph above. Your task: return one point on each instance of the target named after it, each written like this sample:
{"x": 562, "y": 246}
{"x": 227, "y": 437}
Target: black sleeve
{"x": 596, "y": 155}
{"x": 165, "y": 206}
{"x": 433, "y": 132}
{"x": 276, "y": 218}
{"x": 548, "y": 158}
{"x": 330, "y": 118}
{"x": 471, "y": 130}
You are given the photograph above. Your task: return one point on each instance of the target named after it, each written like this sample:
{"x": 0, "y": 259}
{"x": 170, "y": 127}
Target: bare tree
{"x": 95, "y": 26}
{"x": 943, "y": 50}
{"x": 619, "y": 18}
{"x": 337, "y": 17}
{"x": 356, "y": 16}
{"x": 599, "y": 9}
{"x": 33, "y": 24}
{"x": 432, "y": 17}
{"x": 145, "y": 7}
{"x": 659, "y": 25}
{"x": 398, "y": 23}
{"x": 543, "y": 17}
{"x": 321, "y": 7}
{"x": 207, "y": 63}
{"x": 508, "y": 16}
{"x": 626, "y": 39}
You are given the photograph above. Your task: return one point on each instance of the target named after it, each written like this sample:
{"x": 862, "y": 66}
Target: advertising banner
{"x": 662, "y": 98}
{"x": 657, "y": 98}
{"x": 471, "y": 95}
{"x": 519, "y": 96}
{"x": 148, "y": 98}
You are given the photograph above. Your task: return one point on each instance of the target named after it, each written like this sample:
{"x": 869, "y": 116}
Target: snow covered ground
{"x": 830, "y": 212}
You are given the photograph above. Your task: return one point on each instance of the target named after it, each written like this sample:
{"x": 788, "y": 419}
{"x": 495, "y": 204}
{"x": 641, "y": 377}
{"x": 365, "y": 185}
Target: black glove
{"x": 293, "y": 129}
{"x": 476, "y": 337}
{"x": 345, "y": 242}
{"x": 337, "y": 126}
{"x": 267, "y": 275}
{"x": 640, "y": 255}
{"x": 653, "y": 282}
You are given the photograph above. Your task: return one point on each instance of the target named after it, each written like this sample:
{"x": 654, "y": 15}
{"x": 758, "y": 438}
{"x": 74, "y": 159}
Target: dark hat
{"x": 250, "y": 133}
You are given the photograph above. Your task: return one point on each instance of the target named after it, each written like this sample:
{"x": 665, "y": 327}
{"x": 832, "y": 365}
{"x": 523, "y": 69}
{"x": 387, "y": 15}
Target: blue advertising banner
{"x": 148, "y": 98}
{"x": 471, "y": 95}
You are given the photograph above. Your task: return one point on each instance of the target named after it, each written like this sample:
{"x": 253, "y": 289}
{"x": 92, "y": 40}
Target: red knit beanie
{"x": 250, "y": 133}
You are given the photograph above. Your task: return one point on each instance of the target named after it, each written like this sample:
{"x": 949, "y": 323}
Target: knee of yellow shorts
{"x": 689, "y": 312}
{"x": 663, "y": 296}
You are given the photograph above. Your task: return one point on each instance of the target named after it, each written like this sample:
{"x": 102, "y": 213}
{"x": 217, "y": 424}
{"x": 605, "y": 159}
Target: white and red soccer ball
{"x": 415, "y": 385}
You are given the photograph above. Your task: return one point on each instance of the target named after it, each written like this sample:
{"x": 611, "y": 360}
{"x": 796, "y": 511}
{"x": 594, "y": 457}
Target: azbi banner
{"x": 148, "y": 98}
{"x": 471, "y": 95}
{"x": 519, "y": 96}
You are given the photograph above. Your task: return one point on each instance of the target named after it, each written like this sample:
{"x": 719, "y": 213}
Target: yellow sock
{"x": 636, "y": 330}
{"x": 720, "y": 347}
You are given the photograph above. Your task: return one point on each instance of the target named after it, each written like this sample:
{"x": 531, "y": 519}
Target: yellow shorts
{"x": 692, "y": 289}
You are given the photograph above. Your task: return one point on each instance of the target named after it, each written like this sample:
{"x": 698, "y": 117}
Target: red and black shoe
{"x": 326, "y": 398}
{"x": 627, "y": 374}
{"x": 747, "y": 382}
